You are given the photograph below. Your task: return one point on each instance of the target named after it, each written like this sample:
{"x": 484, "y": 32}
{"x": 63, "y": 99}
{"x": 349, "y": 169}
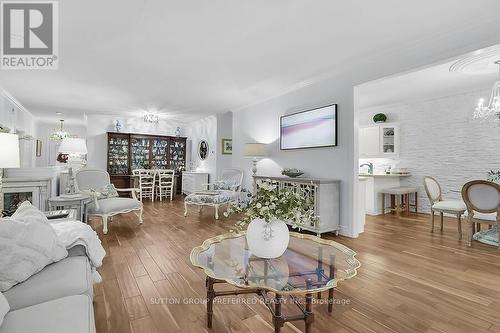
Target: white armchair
{"x": 94, "y": 179}
{"x": 221, "y": 192}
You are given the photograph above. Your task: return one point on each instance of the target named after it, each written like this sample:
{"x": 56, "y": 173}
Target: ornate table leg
{"x": 210, "y": 300}
{"x": 277, "y": 317}
{"x": 308, "y": 315}
{"x": 330, "y": 300}
{"x": 319, "y": 270}
{"x": 332, "y": 275}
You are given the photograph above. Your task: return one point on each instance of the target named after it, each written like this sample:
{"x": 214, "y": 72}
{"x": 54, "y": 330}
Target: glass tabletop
{"x": 310, "y": 264}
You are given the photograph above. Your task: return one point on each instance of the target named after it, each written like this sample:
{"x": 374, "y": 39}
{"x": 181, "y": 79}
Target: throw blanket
{"x": 72, "y": 233}
{"x": 27, "y": 245}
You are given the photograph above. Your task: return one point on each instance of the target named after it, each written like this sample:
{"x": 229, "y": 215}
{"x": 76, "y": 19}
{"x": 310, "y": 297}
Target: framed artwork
{"x": 203, "y": 150}
{"x": 38, "y": 148}
{"x": 227, "y": 146}
{"x": 313, "y": 128}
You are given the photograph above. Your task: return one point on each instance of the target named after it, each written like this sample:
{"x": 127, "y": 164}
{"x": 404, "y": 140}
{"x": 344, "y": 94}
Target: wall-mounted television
{"x": 312, "y": 128}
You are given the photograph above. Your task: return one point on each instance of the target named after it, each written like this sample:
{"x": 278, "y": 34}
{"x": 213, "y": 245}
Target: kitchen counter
{"x": 373, "y": 185}
{"x": 384, "y": 175}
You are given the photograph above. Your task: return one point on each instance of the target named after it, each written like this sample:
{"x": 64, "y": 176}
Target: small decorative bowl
{"x": 293, "y": 173}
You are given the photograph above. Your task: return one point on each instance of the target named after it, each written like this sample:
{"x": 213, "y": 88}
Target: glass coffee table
{"x": 309, "y": 266}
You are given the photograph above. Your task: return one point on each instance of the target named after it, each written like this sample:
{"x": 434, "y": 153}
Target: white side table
{"x": 66, "y": 202}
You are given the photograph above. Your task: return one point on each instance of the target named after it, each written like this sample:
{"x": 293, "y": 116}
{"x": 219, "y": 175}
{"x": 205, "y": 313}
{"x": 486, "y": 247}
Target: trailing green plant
{"x": 291, "y": 203}
{"x": 493, "y": 176}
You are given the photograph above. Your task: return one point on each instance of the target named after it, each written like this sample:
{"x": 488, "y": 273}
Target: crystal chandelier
{"x": 151, "y": 118}
{"x": 490, "y": 112}
{"x": 59, "y": 133}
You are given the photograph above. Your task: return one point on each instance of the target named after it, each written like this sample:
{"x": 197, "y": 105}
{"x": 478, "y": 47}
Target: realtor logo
{"x": 29, "y": 38}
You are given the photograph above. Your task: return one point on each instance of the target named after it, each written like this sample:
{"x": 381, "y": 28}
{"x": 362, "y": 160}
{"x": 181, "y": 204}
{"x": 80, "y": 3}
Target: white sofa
{"x": 58, "y": 299}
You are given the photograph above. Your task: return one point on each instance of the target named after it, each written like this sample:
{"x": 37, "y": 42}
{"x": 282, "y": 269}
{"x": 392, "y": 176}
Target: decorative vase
{"x": 267, "y": 240}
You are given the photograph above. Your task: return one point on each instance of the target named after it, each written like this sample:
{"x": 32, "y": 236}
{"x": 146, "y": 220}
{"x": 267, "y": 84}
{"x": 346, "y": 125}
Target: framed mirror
{"x": 203, "y": 149}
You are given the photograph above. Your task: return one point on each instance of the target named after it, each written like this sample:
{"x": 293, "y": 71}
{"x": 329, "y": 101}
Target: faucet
{"x": 370, "y": 167}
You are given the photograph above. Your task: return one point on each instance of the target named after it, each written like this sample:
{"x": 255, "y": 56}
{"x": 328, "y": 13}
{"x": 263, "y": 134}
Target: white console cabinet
{"x": 326, "y": 197}
{"x": 194, "y": 181}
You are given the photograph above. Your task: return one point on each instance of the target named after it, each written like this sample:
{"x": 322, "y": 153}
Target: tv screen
{"x": 309, "y": 129}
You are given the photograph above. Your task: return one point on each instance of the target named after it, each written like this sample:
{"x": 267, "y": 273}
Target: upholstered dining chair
{"x": 146, "y": 183}
{"x": 481, "y": 196}
{"x": 165, "y": 185}
{"x": 221, "y": 192}
{"x": 95, "y": 180}
{"x": 438, "y": 205}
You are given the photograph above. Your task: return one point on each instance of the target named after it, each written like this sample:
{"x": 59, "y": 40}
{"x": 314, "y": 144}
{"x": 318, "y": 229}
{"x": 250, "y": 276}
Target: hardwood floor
{"x": 410, "y": 280}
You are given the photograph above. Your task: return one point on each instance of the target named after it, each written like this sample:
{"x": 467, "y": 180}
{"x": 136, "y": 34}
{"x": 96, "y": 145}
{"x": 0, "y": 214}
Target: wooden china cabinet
{"x": 129, "y": 151}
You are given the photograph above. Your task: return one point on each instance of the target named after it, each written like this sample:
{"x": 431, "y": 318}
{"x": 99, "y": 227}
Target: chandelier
{"x": 151, "y": 118}
{"x": 490, "y": 112}
{"x": 59, "y": 133}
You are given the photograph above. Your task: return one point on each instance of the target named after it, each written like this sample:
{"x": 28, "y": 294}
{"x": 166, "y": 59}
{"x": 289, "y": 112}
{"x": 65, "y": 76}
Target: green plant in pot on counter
{"x": 264, "y": 217}
{"x": 380, "y": 118}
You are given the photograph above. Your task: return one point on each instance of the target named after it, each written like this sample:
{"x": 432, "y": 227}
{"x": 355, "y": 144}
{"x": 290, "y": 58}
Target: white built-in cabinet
{"x": 380, "y": 140}
{"x": 194, "y": 181}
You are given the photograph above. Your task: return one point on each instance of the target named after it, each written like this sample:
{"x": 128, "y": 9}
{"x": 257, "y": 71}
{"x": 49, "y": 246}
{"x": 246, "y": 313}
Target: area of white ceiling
{"x": 428, "y": 83}
{"x": 186, "y": 59}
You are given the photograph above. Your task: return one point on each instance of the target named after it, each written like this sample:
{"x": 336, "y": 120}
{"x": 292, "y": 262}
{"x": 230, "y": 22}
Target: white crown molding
{"x": 14, "y": 101}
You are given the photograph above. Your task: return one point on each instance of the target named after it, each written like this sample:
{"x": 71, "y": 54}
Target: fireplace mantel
{"x": 37, "y": 190}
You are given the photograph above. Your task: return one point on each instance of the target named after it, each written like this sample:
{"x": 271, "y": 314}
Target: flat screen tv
{"x": 309, "y": 129}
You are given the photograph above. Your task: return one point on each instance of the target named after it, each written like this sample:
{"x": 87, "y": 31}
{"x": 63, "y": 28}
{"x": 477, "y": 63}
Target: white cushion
{"x": 68, "y": 314}
{"x": 115, "y": 205}
{"x": 27, "y": 244}
{"x": 4, "y": 307}
{"x": 450, "y": 205}
{"x": 70, "y": 276}
{"x": 400, "y": 190}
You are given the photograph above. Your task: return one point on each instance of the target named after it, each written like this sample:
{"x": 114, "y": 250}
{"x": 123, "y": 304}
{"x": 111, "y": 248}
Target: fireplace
{"x": 17, "y": 190}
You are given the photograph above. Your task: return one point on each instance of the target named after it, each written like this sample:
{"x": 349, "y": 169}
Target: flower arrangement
{"x": 493, "y": 176}
{"x": 292, "y": 203}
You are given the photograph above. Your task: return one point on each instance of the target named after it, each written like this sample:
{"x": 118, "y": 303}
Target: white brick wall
{"x": 440, "y": 139}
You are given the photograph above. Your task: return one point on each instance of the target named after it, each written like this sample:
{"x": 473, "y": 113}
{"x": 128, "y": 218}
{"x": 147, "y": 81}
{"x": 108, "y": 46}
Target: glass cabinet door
{"x": 177, "y": 152}
{"x": 160, "y": 153}
{"x": 388, "y": 139}
{"x": 140, "y": 153}
{"x": 118, "y": 155}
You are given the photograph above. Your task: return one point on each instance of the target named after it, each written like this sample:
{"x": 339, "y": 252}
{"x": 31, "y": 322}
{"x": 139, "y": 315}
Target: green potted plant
{"x": 380, "y": 118}
{"x": 265, "y": 215}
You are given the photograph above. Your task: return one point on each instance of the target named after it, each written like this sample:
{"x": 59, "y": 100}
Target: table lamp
{"x": 73, "y": 146}
{"x": 255, "y": 151}
{"x": 9, "y": 158}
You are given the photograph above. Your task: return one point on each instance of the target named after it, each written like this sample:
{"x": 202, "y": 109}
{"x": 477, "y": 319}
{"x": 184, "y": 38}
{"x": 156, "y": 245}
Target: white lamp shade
{"x": 73, "y": 146}
{"x": 255, "y": 150}
{"x": 9, "y": 152}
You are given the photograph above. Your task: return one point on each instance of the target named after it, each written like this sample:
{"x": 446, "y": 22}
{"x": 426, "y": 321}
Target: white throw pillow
{"x": 27, "y": 244}
{"x": 4, "y": 307}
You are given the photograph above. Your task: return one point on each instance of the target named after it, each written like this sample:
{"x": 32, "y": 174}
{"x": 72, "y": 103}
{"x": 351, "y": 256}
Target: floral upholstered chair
{"x": 106, "y": 202}
{"x": 222, "y": 192}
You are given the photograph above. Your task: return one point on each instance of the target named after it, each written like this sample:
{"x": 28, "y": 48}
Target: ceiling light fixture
{"x": 59, "y": 133}
{"x": 151, "y": 118}
{"x": 492, "y": 110}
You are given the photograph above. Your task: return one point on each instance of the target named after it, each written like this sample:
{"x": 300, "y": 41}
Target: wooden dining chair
{"x": 438, "y": 205}
{"x": 481, "y": 196}
{"x": 165, "y": 185}
{"x": 146, "y": 183}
